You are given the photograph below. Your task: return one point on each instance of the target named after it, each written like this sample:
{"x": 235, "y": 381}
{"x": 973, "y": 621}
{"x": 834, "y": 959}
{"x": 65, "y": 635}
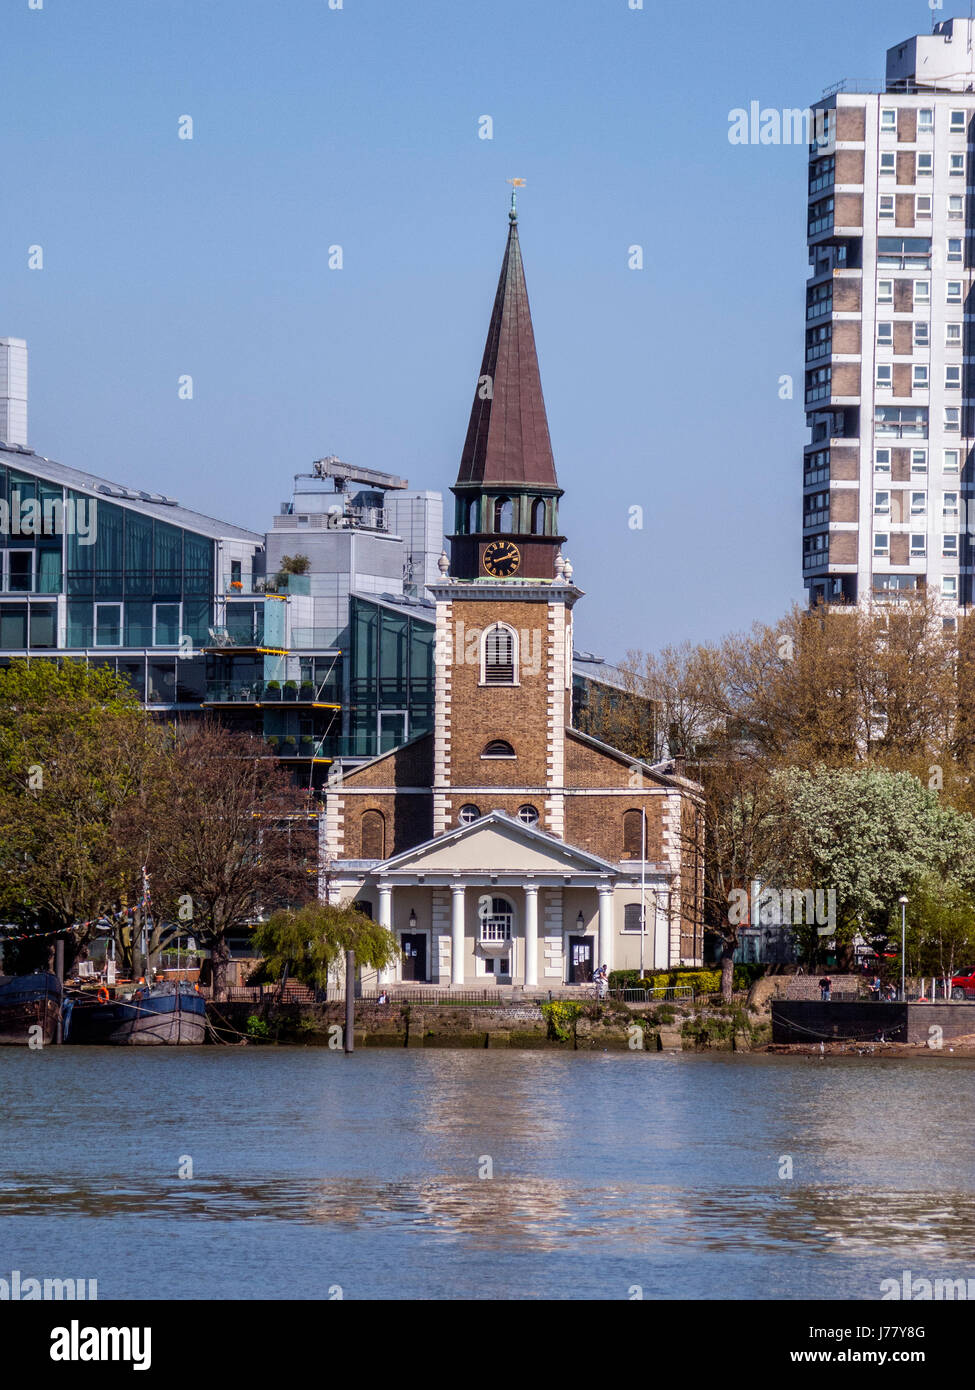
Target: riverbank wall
{"x": 808, "y": 1021}
{"x": 561, "y": 1025}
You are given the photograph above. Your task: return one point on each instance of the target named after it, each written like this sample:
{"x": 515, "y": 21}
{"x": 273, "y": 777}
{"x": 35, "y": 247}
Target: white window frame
{"x": 949, "y": 586}
{"x": 885, "y": 333}
{"x": 883, "y": 298}
{"x": 920, "y": 376}
{"x": 166, "y": 603}
{"x": 885, "y": 376}
{"x": 922, "y": 207}
{"x": 888, "y": 120}
{"x": 887, "y": 164}
{"x": 881, "y": 465}
{"x": 950, "y": 463}
{"x": 956, "y": 207}
{"x": 953, "y": 291}
{"x": 919, "y": 546}
{"x": 919, "y": 462}
{"x": 956, "y": 166}
{"x": 949, "y": 504}
{"x": 949, "y": 546}
{"x": 953, "y": 337}
{"x": 925, "y": 118}
{"x": 925, "y": 170}
{"x": 952, "y": 420}
{"x": 500, "y": 685}
{"x": 881, "y": 544}
{"x": 5, "y": 569}
{"x": 922, "y": 292}
{"x": 919, "y": 503}
{"x": 953, "y": 257}
{"x": 881, "y": 503}
{"x": 885, "y": 207}
{"x": 922, "y": 333}
{"x": 953, "y": 376}
{"x": 957, "y": 123}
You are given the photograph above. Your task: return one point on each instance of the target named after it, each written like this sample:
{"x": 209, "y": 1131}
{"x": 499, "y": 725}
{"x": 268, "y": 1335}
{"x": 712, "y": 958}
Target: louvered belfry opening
{"x": 499, "y": 657}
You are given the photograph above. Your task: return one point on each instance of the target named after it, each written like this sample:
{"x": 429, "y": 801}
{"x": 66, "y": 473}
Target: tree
{"x": 79, "y": 761}
{"x": 310, "y": 940}
{"x": 239, "y": 839}
{"x": 868, "y": 836}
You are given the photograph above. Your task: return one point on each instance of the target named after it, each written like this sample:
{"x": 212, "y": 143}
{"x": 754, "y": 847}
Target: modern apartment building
{"x": 889, "y": 390}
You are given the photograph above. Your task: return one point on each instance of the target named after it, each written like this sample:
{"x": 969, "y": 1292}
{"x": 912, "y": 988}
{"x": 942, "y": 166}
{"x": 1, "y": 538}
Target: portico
{"x": 498, "y": 902}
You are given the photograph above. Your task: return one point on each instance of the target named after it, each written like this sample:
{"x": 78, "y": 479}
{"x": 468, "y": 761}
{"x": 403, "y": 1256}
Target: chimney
{"x": 680, "y": 764}
{"x": 13, "y": 391}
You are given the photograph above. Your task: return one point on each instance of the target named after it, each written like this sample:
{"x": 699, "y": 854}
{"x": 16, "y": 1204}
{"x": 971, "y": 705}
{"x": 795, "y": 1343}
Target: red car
{"x": 963, "y": 986}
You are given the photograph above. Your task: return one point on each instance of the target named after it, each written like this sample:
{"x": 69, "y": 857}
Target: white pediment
{"x": 497, "y": 844}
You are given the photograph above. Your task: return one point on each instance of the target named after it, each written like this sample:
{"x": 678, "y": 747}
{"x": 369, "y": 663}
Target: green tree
{"x": 310, "y": 941}
{"x": 79, "y": 760}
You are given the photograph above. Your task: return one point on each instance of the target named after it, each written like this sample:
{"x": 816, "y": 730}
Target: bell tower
{"x": 504, "y": 605}
{"x": 506, "y": 523}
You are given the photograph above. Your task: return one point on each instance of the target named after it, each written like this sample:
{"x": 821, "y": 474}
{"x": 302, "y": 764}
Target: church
{"x": 506, "y": 847}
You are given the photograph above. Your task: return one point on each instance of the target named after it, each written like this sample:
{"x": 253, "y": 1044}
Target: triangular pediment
{"x": 497, "y": 843}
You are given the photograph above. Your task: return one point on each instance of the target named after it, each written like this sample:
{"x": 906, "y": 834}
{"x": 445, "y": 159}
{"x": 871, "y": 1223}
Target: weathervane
{"x": 515, "y": 185}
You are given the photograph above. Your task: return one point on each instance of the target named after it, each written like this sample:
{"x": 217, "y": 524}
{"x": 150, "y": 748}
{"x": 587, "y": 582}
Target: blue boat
{"x": 169, "y": 1014}
{"x": 28, "y": 1002}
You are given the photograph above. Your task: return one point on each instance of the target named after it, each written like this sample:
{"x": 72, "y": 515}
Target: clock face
{"x": 501, "y": 559}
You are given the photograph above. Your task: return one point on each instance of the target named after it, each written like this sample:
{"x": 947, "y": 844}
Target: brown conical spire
{"x": 507, "y": 438}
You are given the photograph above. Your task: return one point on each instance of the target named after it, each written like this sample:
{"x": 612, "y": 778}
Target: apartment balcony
{"x": 260, "y": 694}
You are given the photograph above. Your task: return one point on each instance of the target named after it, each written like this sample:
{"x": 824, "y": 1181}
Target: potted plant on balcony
{"x": 307, "y": 690}
{"x": 290, "y": 746}
{"x": 272, "y": 742}
{"x": 291, "y": 690}
{"x": 272, "y": 690}
{"x": 307, "y": 746}
{"x": 237, "y": 585}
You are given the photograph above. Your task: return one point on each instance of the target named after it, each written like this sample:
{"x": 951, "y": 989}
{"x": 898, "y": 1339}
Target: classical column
{"x": 457, "y": 901}
{"x": 388, "y": 974}
{"x": 605, "y": 925}
{"x": 531, "y": 936}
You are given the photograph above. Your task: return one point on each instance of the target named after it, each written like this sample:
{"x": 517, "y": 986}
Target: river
{"x": 483, "y": 1174}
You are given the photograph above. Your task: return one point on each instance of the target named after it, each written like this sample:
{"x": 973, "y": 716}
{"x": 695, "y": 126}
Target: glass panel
{"x": 108, "y": 624}
{"x": 43, "y": 625}
{"x": 168, "y": 559}
{"x": 13, "y": 625}
{"x": 162, "y": 683}
{"x": 167, "y": 625}
{"x": 48, "y": 570}
{"x": 81, "y": 558}
{"x": 109, "y": 551}
{"x": 138, "y": 555}
{"x": 197, "y": 621}
{"x": 138, "y": 624}
{"x": 198, "y": 565}
{"x": 52, "y": 509}
{"x": 191, "y": 681}
{"x": 134, "y": 670}
{"x": 21, "y": 564}
{"x": 79, "y": 624}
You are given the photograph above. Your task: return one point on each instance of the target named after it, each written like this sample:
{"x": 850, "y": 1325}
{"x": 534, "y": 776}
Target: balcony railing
{"x": 315, "y": 638}
{"x": 265, "y": 692}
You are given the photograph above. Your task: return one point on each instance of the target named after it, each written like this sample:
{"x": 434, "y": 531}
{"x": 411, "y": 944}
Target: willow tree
{"x": 310, "y": 941}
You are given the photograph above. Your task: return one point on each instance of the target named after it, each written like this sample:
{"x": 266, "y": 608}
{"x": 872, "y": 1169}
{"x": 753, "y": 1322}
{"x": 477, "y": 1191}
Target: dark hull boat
{"x": 161, "y": 1014}
{"x": 28, "y": 1001}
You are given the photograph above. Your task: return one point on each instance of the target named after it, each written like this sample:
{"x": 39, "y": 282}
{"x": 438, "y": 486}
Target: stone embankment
{"x": 562, "y": 1025}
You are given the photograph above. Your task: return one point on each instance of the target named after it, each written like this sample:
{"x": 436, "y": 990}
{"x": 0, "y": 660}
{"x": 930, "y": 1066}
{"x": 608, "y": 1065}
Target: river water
{"x": 316, "y": 1175}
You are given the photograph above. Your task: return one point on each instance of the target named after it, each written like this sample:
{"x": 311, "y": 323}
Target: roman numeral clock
{"x": 501, "y": 559}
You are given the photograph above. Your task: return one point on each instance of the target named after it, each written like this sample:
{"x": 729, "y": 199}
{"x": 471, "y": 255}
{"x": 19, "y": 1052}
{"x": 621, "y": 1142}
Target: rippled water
{"x": 313, "y": 1170}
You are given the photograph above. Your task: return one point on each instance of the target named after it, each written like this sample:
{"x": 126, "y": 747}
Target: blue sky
{"x": 359, "y": 127}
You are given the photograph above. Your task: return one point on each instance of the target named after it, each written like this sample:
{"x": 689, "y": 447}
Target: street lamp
{"x": 903, "y": 902}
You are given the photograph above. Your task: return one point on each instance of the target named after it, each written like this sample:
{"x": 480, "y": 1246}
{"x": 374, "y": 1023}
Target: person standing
{"x": 825, "y": 989}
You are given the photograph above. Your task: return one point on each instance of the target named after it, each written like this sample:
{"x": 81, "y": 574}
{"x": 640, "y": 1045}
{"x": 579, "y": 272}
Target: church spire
{"x": 507, "y": 483}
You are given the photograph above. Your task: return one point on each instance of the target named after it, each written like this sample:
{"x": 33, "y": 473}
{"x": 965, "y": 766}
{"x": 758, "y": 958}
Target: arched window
{"x": 496, "y": 924}
{"x": 373, "y": 835}
{"x": 528, "y": 815}
{"x": 468, "y": 814}
{"x": 538, "y": 516}
{"x": 498, "y": 748}
{"x": 499, "y": 665}
{"x": 503, "y": 513}
{"x": 473, "y": 516}
{"x": 632, "y": 834}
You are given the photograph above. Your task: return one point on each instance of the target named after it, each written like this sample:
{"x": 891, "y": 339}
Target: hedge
{"x": 700, "y": 981}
